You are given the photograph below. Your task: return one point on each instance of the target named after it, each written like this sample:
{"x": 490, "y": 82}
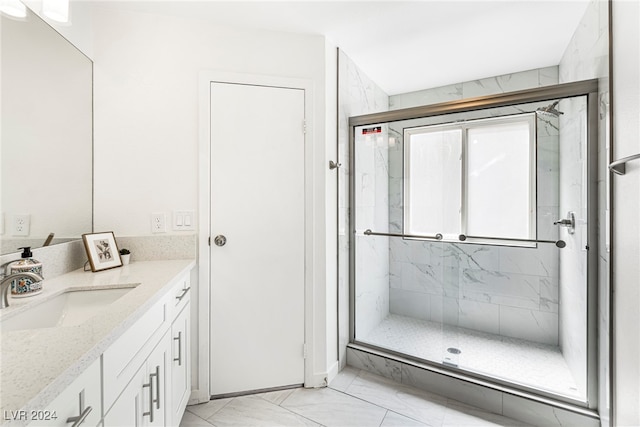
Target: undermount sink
{"x": 70, "y": 308}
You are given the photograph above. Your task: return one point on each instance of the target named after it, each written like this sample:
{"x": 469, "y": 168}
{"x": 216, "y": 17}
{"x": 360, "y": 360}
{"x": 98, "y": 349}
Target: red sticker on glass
{"x": 377, "y": 129}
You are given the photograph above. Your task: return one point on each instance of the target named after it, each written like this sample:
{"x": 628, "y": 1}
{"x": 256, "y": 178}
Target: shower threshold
{"x": 531, "y": 364}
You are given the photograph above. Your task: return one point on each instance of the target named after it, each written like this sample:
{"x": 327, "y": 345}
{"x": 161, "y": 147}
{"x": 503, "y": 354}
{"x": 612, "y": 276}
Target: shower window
{"x": 452, "y": 173}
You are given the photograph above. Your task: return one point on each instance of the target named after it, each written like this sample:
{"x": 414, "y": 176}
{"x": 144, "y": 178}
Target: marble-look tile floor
{"x": 515, "y": 360}
{"x": 354, "y": 398}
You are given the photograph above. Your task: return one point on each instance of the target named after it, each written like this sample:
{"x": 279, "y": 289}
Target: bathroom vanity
{"x": 125, "y": 362}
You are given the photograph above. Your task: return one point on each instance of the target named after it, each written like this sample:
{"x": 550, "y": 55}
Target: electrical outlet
{"x": 158, "y": 222}
{"x": 21, "y": 225}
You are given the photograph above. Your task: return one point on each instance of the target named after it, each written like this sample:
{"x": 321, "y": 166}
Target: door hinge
{"x": 304, "y": 351}
{"x": 209, "y": 240}
{"x": 304, "y": 127}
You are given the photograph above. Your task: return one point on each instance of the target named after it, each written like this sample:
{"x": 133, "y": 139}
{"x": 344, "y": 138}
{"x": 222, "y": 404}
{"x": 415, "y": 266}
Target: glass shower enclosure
{"x": 473, "y": 238}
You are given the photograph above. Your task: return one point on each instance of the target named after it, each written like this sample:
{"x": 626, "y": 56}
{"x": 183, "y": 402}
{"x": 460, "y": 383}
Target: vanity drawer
{"x": 79, "y": 402}
{"x": 181, "y": 294}
{"x": 125, "y": 356}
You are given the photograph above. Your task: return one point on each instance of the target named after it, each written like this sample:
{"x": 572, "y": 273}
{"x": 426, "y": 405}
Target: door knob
{"x": 220, "y": 240}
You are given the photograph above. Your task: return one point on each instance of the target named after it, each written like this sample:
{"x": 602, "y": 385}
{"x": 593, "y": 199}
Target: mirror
{"x": 46, "y": 136}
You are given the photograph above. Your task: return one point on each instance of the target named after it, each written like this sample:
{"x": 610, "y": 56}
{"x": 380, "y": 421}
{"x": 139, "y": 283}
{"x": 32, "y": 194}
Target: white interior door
{"x": 257, "y": 204}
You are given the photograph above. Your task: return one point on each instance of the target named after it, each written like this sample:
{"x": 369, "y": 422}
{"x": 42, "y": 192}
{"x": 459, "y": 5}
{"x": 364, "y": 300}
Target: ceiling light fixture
{"x": 58, "y": 10}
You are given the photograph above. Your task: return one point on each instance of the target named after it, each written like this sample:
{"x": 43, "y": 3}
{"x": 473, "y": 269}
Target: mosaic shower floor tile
{"x": 515, "y": 360}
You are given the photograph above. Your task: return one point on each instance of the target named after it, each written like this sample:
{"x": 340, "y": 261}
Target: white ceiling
{"x": 409, "y": 45}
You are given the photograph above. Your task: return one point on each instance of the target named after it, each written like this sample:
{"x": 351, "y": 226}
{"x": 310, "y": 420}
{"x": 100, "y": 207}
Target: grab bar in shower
{"x": 620, "y": 166}
{"x": 368, "y": 232}
{"x": 559, "y": 243}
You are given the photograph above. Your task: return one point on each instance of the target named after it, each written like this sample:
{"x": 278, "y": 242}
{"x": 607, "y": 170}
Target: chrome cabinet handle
{"x": 179, "y": 339}
{"x": 80, "y": 418}
{"x": 184, "y": 292}
{"x": 157, "y": 375}
{"x": 84, "y": 412}
{"x": 150, "y": 386}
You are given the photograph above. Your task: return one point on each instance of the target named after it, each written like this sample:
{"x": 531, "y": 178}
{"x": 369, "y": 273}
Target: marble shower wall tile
{"x": 501, "y": 84}
{"x": 543, "y": 415}
{"x": 372, "y": 363}
{"x": 358, "y": 94}
{"x": 411, "y": 303}
{"x": 461, "y": 391}
{"x": 531, "y": 325}
{"x": 492, "y": 85}
{"x": 516, "y": 290}
{"x": 479, "y": 316}
{"x": 540, "y": 261}
{"x": 428, "y": 96}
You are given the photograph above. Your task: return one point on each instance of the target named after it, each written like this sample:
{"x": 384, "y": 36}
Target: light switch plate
{"x": 184, "y": 220}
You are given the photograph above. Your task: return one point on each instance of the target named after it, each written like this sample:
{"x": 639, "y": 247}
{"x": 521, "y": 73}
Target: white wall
{"x": 146, "y": 71}
{"x": 146, "y": 105}
{"x": 626, "y": 212}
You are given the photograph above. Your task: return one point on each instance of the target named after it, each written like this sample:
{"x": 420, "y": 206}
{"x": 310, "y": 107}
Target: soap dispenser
{"x": 25, "y": 286}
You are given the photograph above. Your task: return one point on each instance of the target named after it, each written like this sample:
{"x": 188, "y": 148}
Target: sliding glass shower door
{"x": 471, "y": 240}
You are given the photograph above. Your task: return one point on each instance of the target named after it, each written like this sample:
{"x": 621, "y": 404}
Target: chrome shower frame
{"x": 587, "y": 88}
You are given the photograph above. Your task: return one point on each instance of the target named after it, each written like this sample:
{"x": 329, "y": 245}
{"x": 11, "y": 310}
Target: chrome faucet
{"x": 5, "y": 284}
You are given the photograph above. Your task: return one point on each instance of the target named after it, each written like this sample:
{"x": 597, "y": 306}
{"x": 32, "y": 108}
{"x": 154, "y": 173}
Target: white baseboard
{"x": 333, "y": 372}
{"x": 197, "y": 397}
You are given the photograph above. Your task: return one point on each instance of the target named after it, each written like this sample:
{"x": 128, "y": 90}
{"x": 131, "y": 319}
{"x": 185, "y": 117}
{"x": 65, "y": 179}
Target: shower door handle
{"x": 569, "y": 222}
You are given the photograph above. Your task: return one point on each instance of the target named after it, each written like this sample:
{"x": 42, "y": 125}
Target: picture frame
{"x": 102, "y": 250}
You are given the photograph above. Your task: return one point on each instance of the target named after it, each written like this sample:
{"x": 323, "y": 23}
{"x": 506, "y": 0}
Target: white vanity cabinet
{"x": 147, "y": 375}
{"x": 126, "y": 365}
{"x": 79, "y": 404}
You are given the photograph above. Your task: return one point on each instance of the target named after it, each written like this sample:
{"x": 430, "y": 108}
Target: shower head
{"x": 550, "y": 109}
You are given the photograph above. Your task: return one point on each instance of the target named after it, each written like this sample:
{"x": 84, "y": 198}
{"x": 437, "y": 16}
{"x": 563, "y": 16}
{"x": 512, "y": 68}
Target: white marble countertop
{"x": 37, "y": 364}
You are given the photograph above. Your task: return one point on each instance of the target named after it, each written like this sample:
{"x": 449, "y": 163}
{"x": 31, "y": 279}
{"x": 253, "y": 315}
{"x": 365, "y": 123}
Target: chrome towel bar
{"x": 559, "y": 243}
{"x": 368, "y": 232}
{"x": 619, "y": 167}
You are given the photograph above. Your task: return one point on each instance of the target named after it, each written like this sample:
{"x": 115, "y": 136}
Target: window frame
{"x": 530, "y": 119}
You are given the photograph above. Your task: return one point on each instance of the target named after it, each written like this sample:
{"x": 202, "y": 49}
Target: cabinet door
{"x": 180, "y": 364}
{"x": 155, "y": 398}
{"x": 80, "y": 402}
{"x": 129, "y": 406}
{"x": 143, "y": 402}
